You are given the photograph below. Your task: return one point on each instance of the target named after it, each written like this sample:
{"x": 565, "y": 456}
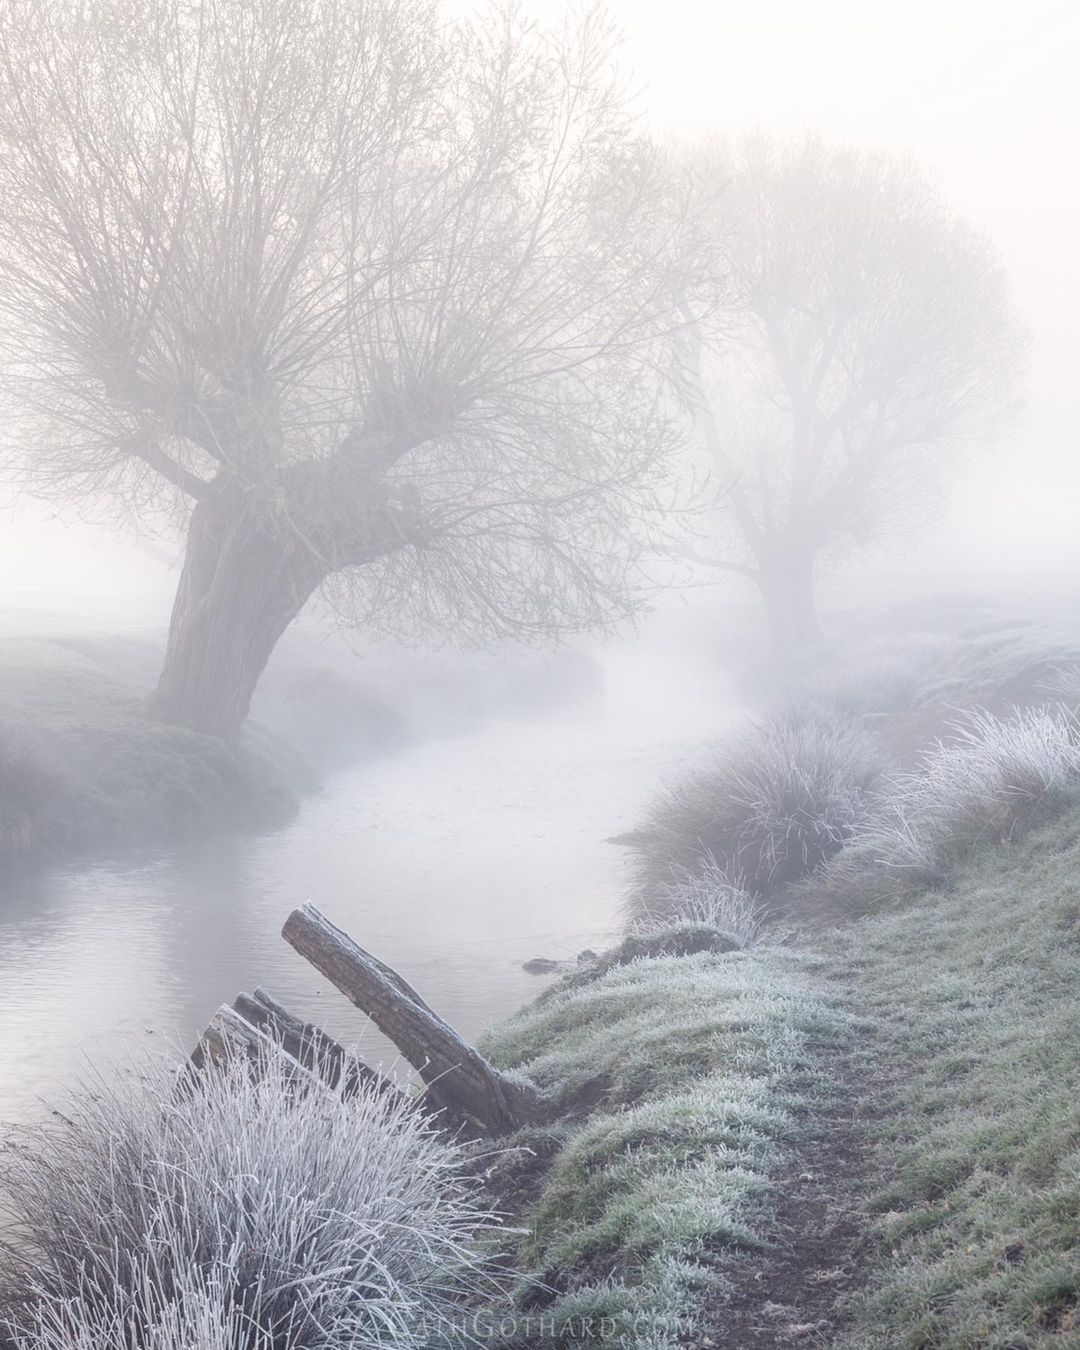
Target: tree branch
{"x": 144, "y": 445}
{"x": 719, "y": 564}
{"x": 690, "y": 342}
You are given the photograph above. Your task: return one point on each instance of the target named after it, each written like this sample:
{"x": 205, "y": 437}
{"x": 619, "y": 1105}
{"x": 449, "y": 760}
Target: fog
{"x": 539, "y": 673}
{"x": 984, "y": 97}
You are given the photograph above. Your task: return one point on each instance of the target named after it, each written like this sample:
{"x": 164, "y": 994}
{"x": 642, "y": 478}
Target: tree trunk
{"x": 786, "y": 582}
{"x": 244, "y": 581}
{"x": 309, "y": 1045}
{"x": 459, "y": 1079}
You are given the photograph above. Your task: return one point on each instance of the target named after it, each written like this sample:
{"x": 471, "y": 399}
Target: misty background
{"x": 984, "y": 96}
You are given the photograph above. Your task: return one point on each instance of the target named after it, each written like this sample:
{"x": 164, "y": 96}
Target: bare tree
{"x": 369, "y": 299}
{"x": 872, "y": 338}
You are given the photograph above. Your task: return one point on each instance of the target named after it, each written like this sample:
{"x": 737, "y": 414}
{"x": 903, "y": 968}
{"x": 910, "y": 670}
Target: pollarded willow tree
{"x": 368, "y": 298}
{"x": 872, "y": 339}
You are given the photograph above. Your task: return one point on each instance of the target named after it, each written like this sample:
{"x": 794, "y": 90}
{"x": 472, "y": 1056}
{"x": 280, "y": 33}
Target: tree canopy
{"x": 871, "y": 339}
{"x": 353, "y": 288}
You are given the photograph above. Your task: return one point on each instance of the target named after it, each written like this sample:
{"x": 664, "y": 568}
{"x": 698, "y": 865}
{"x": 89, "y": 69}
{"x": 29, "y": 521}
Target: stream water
{"x": 454, "y": 860}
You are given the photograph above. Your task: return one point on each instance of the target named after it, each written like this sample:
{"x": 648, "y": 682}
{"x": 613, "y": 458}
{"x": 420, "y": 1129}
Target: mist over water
{"x": 455, "y": 855}
{"x": 460, "y": 851}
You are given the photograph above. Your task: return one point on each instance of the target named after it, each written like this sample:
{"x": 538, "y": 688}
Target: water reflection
{"x": 455, "y": 861}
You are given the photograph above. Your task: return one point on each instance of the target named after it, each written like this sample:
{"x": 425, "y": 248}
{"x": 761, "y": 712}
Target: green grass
{"x": 978, "y": 1207}
{"x": 680, "y": 1080}
{"x": 83, "y": 768}
{"x": 967, "y": 971}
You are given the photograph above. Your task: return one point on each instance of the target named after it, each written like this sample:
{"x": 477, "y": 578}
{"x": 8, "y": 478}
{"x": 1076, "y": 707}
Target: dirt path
{"x": 818, "y": 1234}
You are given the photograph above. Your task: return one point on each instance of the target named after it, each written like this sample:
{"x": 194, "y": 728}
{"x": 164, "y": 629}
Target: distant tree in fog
{"x": 369, "y": 299}
{"x": 873, "y": 338}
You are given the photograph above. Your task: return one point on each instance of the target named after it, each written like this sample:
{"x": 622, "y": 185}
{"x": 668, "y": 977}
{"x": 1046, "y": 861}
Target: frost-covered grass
{"x": 680, "y": 1078}
{"x": 709, "y": 897}
{"x": 990, "y": 778}
{"x": 238, "y": 1212}
{"x": 986, "y": 783}
{"x": 771, "y": 805}
{"x": 973, "y": 833}
{"x": 978, "y": 1208}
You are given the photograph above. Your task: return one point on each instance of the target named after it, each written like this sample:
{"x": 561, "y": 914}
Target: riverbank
{"x": 85, "y": 771}
{"x": 862, "y": 1130}
{"x": 869, "y": 1139}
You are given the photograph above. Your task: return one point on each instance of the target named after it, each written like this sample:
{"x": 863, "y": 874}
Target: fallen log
{"x": 309, "y": 1045}
{"x": 229, "y": 1035}
{"x": 457, "y": 1077}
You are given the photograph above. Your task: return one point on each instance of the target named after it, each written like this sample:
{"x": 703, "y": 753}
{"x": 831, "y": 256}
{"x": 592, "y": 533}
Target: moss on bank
{"x": 680, "y": 1081}
{"x": 83, "y": 768}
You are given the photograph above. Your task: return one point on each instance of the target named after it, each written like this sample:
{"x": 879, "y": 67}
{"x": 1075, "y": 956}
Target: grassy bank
{"x": 911, "y": 815}
{"x": 84, "y": 769}
{"x": 977, "y": 1201}
{"x": 683, "y": 1083}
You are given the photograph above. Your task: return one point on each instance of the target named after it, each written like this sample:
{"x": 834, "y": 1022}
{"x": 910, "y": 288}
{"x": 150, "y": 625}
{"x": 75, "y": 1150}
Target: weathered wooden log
{"x": 458, "y": 1079}
{"x": 309, "y": 1045}
{"x": 230, "y": 1035}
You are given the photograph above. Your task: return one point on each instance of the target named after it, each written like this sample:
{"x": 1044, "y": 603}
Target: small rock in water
{"x": 540, "y": 965}
{"x": 586, "y": 956}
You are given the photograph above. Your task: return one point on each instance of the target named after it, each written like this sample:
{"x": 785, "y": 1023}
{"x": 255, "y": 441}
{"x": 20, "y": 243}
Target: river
{"x": 455, "y": 860}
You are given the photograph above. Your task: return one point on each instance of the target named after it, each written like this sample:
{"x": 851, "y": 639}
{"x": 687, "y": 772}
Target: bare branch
{"x": 874, "y": 341}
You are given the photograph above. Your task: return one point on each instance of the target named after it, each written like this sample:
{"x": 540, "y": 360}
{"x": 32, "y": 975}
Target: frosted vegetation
{"x": 769, "y": 807}
{"x": 679, "y": 1078}
{"x": 874, "y": 776}
{"x": 959, "y": 853}
{"x": 237, "y": 1211}
{"x": 705, "y": 894}
{"x": 989, "y": 778}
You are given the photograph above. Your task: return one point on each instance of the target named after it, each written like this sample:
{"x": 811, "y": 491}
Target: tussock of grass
{"x": 684, "y": 1074}
{"x": 979, "y": 1209}
{"x": 241, "y": 1212}
{"x": 770, "y": 807}
{"x": 990, "y": 780}
{"x": 708, "y": 897}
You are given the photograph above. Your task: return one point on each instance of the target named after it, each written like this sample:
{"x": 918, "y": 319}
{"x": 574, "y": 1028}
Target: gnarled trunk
{"x": 786, "y": 582}
{"x": 245, "y": 579}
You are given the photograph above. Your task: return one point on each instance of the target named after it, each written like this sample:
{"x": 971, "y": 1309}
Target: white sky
{"x": 984, "y": 92}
